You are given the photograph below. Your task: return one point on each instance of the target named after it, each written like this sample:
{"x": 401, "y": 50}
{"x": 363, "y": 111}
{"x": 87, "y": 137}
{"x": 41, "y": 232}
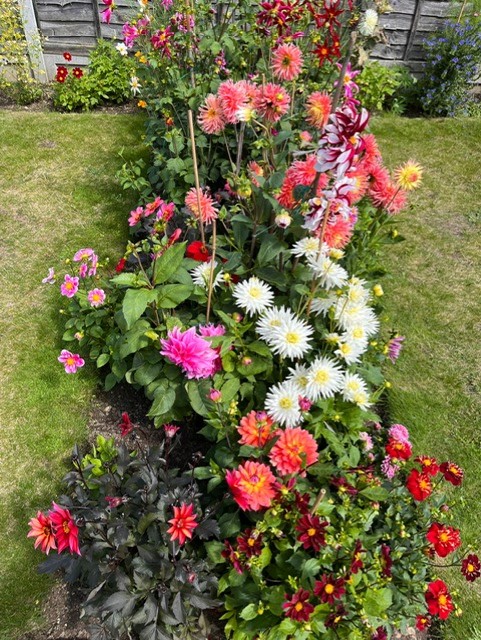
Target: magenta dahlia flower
{"x": 190, "y": 352}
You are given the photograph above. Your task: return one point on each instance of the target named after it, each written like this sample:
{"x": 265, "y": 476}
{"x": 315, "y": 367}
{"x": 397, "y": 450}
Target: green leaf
{"x": 135, "y": 303}
{"x": 126, "y": 279}
{"x": 171, "y": 295}
{"x": 103, "y": 359}
{"x": 168, "y": 263}
{"x": 249, "y": 612}
{"x": 378, "y": 494}
{"x": 376, "y": 602}
{"x": 229, "y": 524}
{"x": 214, "y": 550}
{"x": 145, "y": 521}
{"x": 271, "y": 247}
{"x": 229, "y": 389}
{"x": 197, "y": 392}
{"x": 163, "y": 402}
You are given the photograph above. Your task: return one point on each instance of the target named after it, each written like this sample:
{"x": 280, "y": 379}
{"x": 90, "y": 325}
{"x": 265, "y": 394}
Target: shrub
{"x": 384, "y": 88}
{"x": 105, "y": 81}
{"x": 453, "y": 58}
{"x": 126, "y": 531}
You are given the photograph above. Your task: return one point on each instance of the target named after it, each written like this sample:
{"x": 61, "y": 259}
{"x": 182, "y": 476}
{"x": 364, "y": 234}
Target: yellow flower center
{"x": 286, "y": 403}
{"x": 442, "y": 600}
{"x": 358, "y": 333}
{"x": 470, "y": 568}
{"x": 255, "y": 293}
{"x": 329, "y": 588}
{"x": 321, "y": 377}
{"x": 293, "y": 338}
{"x": 444, "y": 537}
{"x": 251, "y": 542}
{"x": 299, "y": 606}
{"x": 311, "y": 532}
{"x": 70, "y": 361}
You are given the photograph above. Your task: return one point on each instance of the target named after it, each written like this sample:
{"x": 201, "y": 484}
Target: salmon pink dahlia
{"x": 287, "y": 62}
{"x": 338, "y": 232}
{"x": 255, "y": 429}
{"x": 295, "y": 450}
{"x": 252, "y": 485}
{"x": 318, "y": 109}
{"x": 272, "y": 102}
{"x": 232, "y": 97}
{"x": 41, "y": 529}
{"x": 211, "y": 118}
{"x": 183, "y": 523}
{"x": 201, "y": 205}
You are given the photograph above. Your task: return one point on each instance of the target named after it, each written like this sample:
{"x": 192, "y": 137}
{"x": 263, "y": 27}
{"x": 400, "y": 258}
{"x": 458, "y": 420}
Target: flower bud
{"x": 215, "y": 395}
{"x": 377, "y": 290}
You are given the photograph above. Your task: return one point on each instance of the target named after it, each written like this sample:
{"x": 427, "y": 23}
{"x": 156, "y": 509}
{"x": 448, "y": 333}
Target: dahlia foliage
{"x": 250, "y": 314}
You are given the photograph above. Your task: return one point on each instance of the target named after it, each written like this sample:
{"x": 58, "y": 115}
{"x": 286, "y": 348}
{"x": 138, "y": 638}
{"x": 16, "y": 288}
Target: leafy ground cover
{"x": 58, "y": 191}
{"x": 434, "y": 298}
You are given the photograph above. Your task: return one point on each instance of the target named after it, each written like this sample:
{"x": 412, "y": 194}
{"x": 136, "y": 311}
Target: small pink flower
{"x": 215, "y": 395}
{"x": 399, "y": 432}
{"x": 304, "y": 404}
{"x": 170, "y": 430}
{"x": 136, "y": 216}
{"x": 83, "y": 254}
{"x": 113, "y": 502}
{"x": 96, "y": 297}
{"x": 69, "y": 287}
{"x": 287, "y": 62}
{"x": 394, "y": 347}
{"x": 83, "y": 270}
{"x": 211, "y": 330}
{"x": 367, "y": 440}
{"x": 388, "y": 468}
{"x": 93, "y": 265}
{"x": 71, "y": 361}
{"x": 50, "y": 279}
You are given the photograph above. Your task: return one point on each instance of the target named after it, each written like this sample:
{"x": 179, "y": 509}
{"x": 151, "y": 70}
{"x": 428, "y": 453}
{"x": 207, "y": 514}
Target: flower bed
{"x": 251, "y": 316}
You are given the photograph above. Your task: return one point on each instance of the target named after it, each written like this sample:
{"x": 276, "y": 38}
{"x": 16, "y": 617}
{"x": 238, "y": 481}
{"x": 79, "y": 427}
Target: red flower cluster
{"x": 444, "y": 539}
{"x": 62, "y": 73}
{"x": 438, "y": 599}
{"x": 55, "y": 530}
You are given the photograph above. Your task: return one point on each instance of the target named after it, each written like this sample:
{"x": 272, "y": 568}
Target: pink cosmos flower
{"x": 107, "y": 13}
{"x": 211, "y": 117}
{"x": 69, "y": 287}
{"x": 165, "y": 211}
{"x": 50, "y": 279}
{"x": 287, "y": 62}
{"x": 207, "y": 211}
{"x": 71, "y": 361}
{"x": 190, "y": 352}
{"x": 96, "y": 297}
{"x": 83, "y": 254}
{"x": 83, "y": 270}
{"x": 272, "y": 102}
{"x": 130, "y": 34}
{"x": 394, "y": 348}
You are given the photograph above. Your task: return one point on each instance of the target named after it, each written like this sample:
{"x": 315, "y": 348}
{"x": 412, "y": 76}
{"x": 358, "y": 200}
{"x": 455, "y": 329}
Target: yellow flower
{"x": 142, "y": 104}
{"x": 378, "y": 290}
{"x": 409, "y": 175}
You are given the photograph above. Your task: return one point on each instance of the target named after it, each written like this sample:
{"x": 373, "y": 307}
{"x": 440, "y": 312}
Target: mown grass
{"x": 58, "y": 194}
{"x": 434, "y": 298}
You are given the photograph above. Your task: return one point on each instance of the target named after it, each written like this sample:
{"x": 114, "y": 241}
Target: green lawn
{"x": 58, "y": 194}
{"x": 434, "y": 298}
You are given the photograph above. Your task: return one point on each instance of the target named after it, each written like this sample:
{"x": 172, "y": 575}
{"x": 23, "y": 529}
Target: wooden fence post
{"x": 32, "y": 36}
{"x": 97, "y": 23}
{"x": 414, "y": 26}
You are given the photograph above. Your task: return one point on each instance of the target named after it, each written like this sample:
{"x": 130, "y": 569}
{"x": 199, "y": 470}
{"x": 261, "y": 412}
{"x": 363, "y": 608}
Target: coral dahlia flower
{"x": 272, "y": 102}
{"x": 338, "y": 233}
{"x": 191, "y": 352}
{"x": 318, "y": 107}
{"x": 65, "y": 529}
{"x": 232, "y": 97}
{"x": 183, "y": 523}
{"x": 211, "y": 118}
{"x": 287, "y": 62}
{"x": 419, "y": 485}
{"x": 255, "y": 429}
{"x": 201, "y": 205}
{"x": 298, "y": 607}
{"x": 252, "y": 485}
{"x": 409, "y": 175}
{"x": 445, "y": 539}
{"x": 295, "y": 450}
{"x": 388, "y": 196}
{"x": 438, "y": 599}
{"x": 41, "y": 529}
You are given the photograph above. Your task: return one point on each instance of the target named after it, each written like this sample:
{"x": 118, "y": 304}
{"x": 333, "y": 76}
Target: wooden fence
{"x": 75, "y": 25}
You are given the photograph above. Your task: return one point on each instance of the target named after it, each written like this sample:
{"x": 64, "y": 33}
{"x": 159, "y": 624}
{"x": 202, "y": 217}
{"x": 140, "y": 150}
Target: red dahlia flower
{"x": 471, "y": 567}
{"x": 423, "y": 622}
{"x": 357, "y": 561}
{"x": 329, "y": 588}
{"x": 126, "y": 426}
{"x": 197, "y": 251}
{"x": 233, "y": 556}
{"x": 312, "y": 532}
{"x": 419, "y": 485}
{"x": 65, "y": 529}
{"x": 250, "y": 543}
{"x": 452, "y": 473}
{"x": 386, "y": 561}
{"x": 298, "y": 607}
{"x": 428, "y": 465}
{"x": 444, "y": 539}
{"x": 120, "y": 266}
{"x": 439, "y": 600}
{"x": 183, "y": 523}
{"x": 41, "y": 529}
{"x": 398, "y": 450}
{"x": 77, "y": 73}
{"x": 67, "y": 56}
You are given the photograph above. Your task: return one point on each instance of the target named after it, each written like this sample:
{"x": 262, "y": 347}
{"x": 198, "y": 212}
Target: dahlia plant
{"x": 251, "y": 315}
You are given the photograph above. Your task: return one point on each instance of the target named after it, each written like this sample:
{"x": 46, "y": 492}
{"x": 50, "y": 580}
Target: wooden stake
{"x": 190, "y": 117}
{"x": 212, "y": 267}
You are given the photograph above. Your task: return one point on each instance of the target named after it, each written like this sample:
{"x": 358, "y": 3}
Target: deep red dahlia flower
{"x": 329, "y": 588}
{"x": 312, "y": 532}
{"x": 250, "y": 543}
{"x": 67, "y": 56}
{"x": 471, "y": 567}
{"x": 197, "y": 251}
{"x": 452, "y": 473}
{"x": 232, "y": 556}
{"x": 126, "y": 426}
{"x": 423, "y": 622}
{"x": 298, "y": 607}
{"x": 77, "y": 73}
{"x": 428, "y": 465}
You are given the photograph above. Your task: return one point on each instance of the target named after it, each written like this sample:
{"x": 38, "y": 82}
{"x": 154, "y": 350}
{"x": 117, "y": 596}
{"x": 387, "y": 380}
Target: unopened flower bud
{"x": 283, "y": 220}
{"x": 246, "y": 361}
{"x": 377, "y": 290}
{"x": 304, "y": 404}
{"x": 215, "y": 395}
{"x": 237, "y": 317}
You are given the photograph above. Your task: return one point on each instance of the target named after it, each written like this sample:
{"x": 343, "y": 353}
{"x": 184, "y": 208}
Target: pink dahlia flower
{"x": 232, "y": 96}
{"x": 96, "y": 297}
{"x": 394, "y": 348}
{"x": 83, "y": 254}
{"x": 272, "y": 102}
{"x": 71, "y": 361}
{"x": 191, "y": 352}
{"x": 69, "y": 287}
{"x": 287, "y": 62}
{"x": 211, "y": 117}
{"x": 295, "y": 450}
{"x": 65, "y": 529}
{"x": 399, "y": 432}
{"x": 211, "y": 330}
{"x": 201, "y": 205}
